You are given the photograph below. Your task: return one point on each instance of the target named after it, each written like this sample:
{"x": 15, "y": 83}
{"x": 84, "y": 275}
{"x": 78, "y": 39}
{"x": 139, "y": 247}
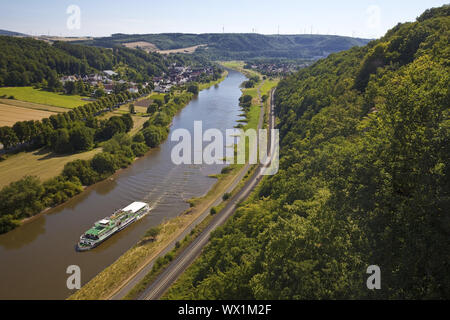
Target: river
{"x": 35, "y": 256}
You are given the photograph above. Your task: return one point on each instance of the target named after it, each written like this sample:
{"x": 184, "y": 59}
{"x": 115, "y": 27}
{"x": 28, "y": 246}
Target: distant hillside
{"x": 12, "y": 33}
{"x": 240, "y": 46}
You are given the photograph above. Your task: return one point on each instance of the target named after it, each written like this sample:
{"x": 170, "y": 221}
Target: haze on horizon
{"x": 364, "y": 18}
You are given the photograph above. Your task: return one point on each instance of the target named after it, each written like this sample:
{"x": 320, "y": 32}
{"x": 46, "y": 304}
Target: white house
{"x": 110, "y": 73}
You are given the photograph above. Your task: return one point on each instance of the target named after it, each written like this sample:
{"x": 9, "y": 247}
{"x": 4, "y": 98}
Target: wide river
{"x": 35, "y": 256}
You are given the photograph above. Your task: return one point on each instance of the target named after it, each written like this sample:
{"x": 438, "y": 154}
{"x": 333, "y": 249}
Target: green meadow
{"x": 30, "y": 94}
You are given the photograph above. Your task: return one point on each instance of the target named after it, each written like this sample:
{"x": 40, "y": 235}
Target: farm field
{"x": 9, "y": 115}
{"x": 30, "y": 105}
{"x": 30, "y": 94}
{"x": 150, "y": 47}
{"x": 41, "y": 163}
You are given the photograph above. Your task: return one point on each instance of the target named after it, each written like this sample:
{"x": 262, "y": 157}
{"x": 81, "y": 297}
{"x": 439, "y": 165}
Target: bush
{"x": 153, "y": 232}
{"x": 128, "y": 121}
{"x": 193, "y": 88}
{"x": 226, "y": 170}
{"x": 245, "y": 98}
{"x": 113, "y": 126}
{"x": 7, "y": 223}
{"x": 153, "y": 136}
{"x": 59, "y": 190}
{"x": 104, "y": 163}
{"x": 169, "y": 257}
{"x": 161, "y": 119}
{"x": 82, "y": 138}
{"x": 22, "y": 198}
{"x": 153, "y": 108}
{"x": 159, "y": 262}
{"x": 60, "y": 141}
{"x": 139, "y": 137}
{"x": 82, "y": 170}
{"x": 124, "y": 157}
{"x": 139, "y": 149}
{"x": 248, "y": 84}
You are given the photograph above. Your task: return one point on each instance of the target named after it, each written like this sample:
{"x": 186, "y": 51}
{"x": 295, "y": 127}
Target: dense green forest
{"x": 363, "y": 180}
{"x": 25, "y": 61}
{"x": 231, "y": 46}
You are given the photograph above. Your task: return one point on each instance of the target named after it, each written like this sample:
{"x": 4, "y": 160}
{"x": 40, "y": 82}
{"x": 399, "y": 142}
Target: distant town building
{"x": 110, "y": 73}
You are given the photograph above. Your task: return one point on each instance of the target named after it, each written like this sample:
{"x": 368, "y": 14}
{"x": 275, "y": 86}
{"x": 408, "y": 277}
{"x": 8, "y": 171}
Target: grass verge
{"x": 33, "y": 106}
{"x": 163, "y": 262}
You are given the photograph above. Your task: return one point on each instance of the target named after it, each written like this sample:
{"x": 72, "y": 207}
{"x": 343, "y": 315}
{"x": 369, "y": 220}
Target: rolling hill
{"x": 12, "y": 33}
{"x": 234, "y": 46}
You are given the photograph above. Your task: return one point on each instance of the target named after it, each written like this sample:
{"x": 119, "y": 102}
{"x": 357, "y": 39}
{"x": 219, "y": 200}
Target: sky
{"x": 358, "y": 18}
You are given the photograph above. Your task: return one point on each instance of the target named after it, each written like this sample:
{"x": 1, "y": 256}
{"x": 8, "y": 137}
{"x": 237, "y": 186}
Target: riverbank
{"x": 239, "y": 66}
{"x": 107, "y": 283}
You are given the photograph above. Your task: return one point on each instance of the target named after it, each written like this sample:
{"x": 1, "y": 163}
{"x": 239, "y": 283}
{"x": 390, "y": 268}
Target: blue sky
{"x": 361, "y": 18}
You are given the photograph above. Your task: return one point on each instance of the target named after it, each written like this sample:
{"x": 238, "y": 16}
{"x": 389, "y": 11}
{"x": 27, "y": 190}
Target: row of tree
{"x": 250, "y": 83}
{"x": 26, "y": 61}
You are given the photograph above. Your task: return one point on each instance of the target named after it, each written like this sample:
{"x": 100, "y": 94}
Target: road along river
{"x": 35, "y": 256}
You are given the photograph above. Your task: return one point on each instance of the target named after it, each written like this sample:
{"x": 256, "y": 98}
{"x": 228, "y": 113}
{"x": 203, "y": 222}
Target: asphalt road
{"x": 184, "y": 260}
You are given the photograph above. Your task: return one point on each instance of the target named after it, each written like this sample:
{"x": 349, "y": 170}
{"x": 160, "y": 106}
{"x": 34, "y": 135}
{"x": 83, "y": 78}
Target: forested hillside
{"x": 231, "y": 46}
{"x": 363, "y": 180}
{"x": 25, "y": 61}
{"x": 11, "y": 33}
